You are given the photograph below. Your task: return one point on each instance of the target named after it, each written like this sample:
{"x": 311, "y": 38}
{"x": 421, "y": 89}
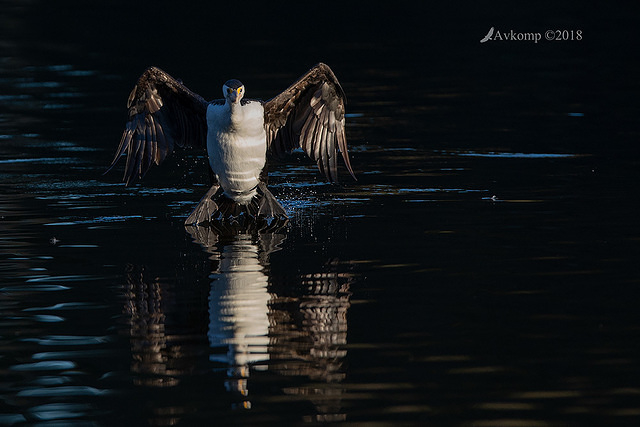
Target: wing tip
{"x": 353, "y": 175}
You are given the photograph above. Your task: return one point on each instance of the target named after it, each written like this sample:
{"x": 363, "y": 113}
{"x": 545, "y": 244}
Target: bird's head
{"x": 233, "y": 91}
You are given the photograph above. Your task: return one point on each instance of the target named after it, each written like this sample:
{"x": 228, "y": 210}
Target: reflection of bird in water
{"x": 308, "y": 336}
{"x": 294, "y": 326}
{"x": 239, "y": 301}
{"x": 237, "y": 134}
{"x": 238, "y": 309}
{"x": 150, "y": 349}
{"x": 257, "y": 321}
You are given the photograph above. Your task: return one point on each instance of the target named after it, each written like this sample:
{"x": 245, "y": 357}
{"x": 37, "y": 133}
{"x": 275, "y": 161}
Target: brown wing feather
{"x": 163, "y": 113}
{"x": 310, "y": 115}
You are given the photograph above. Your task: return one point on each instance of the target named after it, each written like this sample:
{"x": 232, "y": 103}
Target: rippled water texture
{"x": 483, "y": 270}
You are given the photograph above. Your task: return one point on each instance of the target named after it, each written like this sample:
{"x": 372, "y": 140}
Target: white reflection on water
{"x": 239, "y": 300}
{"x": 238, "y": 311}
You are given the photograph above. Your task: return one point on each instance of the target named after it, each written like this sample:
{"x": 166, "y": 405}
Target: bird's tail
{"x": 216, "y": 206}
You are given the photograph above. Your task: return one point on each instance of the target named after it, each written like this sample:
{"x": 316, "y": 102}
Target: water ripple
{"x": 42, "y": 160}
{"x": 75, "y": 354}
{"x": 33, "y": 288}
{"x": 60, "y": 411}
{"x": 69, "y": 278}
{"x": 49, "y": 365}
{"x": 69, "y": 340}
{"x": 511, "y": 155}
{"x": 47, "y": 318}
{"x": 50, "y": 380}
{"x": 66, "y": 306}
{"x": 63, "y": 391}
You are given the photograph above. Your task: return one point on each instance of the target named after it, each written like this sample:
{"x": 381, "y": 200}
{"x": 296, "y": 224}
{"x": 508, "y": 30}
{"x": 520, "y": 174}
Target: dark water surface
{"x": 483, "y": 270}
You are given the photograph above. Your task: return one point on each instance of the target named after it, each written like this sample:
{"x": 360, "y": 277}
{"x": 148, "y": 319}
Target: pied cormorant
{"x": 237, "y": 133}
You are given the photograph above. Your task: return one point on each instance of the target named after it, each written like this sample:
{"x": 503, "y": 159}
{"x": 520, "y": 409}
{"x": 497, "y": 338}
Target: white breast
{"x": 237, "y": 147}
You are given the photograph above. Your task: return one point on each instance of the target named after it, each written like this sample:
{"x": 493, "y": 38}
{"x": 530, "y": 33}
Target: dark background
{"x": 481, "y": 271}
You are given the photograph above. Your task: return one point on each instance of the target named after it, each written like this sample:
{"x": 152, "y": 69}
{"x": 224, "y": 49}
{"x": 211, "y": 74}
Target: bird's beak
{"x": 234, "y": 96}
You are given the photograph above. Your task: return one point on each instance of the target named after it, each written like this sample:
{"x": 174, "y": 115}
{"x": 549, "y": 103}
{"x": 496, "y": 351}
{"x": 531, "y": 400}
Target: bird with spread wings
{"x": 237, "y": 133}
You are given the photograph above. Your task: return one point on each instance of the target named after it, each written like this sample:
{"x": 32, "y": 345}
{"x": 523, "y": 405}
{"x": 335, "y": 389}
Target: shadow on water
{"x": 287, "y": 330}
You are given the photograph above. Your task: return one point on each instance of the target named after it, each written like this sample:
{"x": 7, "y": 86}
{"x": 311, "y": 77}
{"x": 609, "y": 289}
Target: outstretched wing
{"x": 163, "y": 113}
{"x": 310, "y": 115}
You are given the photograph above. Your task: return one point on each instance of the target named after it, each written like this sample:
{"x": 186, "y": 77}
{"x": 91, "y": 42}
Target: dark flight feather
{"x": 163, "y": 113}
{"x": 310, "y": 115}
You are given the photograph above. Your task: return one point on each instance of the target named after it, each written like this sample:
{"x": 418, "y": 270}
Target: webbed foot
{"x": 205, "y": 209}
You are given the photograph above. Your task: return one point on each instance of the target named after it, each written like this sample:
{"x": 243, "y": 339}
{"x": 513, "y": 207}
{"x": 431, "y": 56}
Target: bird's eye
{"x": 229, "y": 90}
